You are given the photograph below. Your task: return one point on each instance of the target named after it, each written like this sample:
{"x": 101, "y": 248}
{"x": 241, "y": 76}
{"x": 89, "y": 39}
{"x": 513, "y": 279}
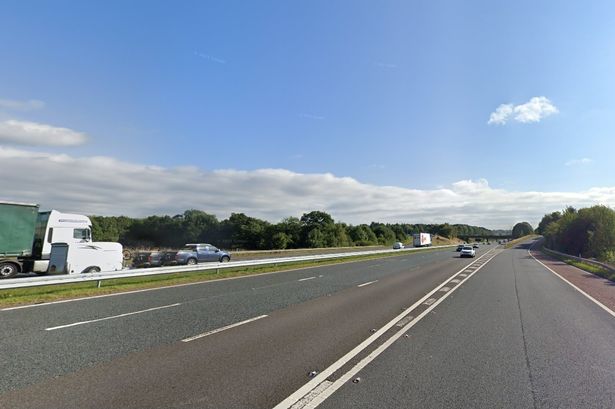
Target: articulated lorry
{"x": 27, "y": 235}
{"x": 421, "y": 239}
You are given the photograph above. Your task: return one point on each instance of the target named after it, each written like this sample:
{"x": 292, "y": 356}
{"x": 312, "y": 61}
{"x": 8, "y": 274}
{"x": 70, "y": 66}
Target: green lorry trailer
{"x": 17, "y": 228}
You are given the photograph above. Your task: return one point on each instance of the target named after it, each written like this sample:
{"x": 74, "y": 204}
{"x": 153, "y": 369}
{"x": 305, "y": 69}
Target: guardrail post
{"x": 98, "y": 285}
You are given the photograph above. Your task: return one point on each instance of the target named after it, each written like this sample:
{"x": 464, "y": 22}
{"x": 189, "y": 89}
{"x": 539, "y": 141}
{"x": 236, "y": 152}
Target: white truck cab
{"x": 54, "y": 227}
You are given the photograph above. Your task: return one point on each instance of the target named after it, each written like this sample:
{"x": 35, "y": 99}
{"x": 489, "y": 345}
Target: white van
{"x": 77, "y": 258}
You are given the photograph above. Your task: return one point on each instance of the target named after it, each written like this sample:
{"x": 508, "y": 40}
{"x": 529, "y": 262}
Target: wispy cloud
{"x": 15, "y": 105}
{"x": 534, "y": 110}
{"x": 311, "y": 116}
{"x": 211, "y": 58}
{"x": 35, "y": 134}
{"x": 270, "y": 194}
{"x": 576, "y": 162}
{"x": 386, "y": 65}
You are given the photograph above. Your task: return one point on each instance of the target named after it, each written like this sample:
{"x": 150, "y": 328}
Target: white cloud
{"x": 29, "y": 105}
{"x": 211, "y": 58}
{"x": 501, "y": 114}
{"x": 106, "y": 186}
{"x": 582, "y": 161}
{"x": 32, "y": 133}
{"x": 534, "y": 110}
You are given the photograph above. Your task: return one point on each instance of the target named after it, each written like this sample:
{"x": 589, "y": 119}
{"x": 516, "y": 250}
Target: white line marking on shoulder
{"x": 598, "y": 303}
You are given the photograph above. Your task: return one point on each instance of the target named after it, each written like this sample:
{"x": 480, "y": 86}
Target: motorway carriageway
{"x": 417, "y": 330}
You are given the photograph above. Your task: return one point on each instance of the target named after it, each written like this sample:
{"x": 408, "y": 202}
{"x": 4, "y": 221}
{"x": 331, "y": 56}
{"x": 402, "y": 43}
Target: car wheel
{"x": 225, "y": 259}
{"x": 91, "y": 270}
{"x": 191, "y": 261}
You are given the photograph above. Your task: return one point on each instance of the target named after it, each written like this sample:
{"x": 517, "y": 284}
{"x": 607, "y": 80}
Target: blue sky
{"x": 386, "y": 93}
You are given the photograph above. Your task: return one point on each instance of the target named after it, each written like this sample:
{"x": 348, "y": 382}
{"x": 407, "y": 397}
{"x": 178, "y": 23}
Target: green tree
{"x": 198, "y": 226}
{"x": 317, "y": 229}
{"x": 522, "y": 229}
{"x": 291, "y": 227}
{"x": 280, "y": 240}
{"x": 247, "y": 232}
{"x": 547, "y": 220}
{"x": 384, "y": 234}
{"x": 315, "y": 239}
{"x": 362, "y": 235}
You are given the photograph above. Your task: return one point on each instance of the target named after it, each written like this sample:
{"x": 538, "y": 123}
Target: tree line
{"x": 239, "y": 231}
{"x": 588, "y": 232}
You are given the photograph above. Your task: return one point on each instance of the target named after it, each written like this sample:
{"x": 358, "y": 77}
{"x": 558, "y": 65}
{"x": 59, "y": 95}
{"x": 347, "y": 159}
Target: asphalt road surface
{"x": 425, "y": 330}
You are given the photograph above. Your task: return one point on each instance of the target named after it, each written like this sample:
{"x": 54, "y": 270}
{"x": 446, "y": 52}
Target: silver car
{"x": 467, "y": 251}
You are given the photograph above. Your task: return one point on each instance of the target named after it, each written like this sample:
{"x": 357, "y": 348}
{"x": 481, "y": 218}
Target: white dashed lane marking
{"x": 205, "y": 334}
{"x": 74, "y": 324}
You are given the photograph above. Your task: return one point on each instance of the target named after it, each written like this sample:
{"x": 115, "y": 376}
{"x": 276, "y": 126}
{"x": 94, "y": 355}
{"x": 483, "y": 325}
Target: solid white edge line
{"x": 368, "y": 283}
{"x": 598, "y": 303}
{"x": 214, "y": 331}
{"x": 307, "y": 278}
{"x": 374, "y": 354}
{"x": 111, "y": 317}
{"x": 307, "y": 387}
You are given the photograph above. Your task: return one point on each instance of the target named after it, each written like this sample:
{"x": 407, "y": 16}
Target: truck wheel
{"x": 8, "y": 270}
{"x": 225, "y": 259}
{"x": 191, "y": 261}
{"x": 91, "y": 270}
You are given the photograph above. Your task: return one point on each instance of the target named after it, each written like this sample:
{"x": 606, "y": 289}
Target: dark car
{"x": 144, "y": 259}
{"x": 459, "y": 247}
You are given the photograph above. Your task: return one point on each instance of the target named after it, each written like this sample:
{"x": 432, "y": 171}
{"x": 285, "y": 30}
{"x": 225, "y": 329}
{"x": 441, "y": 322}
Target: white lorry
{"x": 53, "y": 227}
{"x": 421, "y": 239}
{"x": 26, "y": 237}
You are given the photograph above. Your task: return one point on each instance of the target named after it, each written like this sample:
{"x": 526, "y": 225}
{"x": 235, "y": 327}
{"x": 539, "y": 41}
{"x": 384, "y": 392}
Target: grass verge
{"x": 37, "y": 295}
{"x": 590, "y": 268}
{"x": 514, "y": 242}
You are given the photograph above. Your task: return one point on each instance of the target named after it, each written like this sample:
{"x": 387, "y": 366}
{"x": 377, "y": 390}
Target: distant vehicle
{"x": 467, "y": 251}
{"x": 398, "y": 246}
{"x": 148, "y": 259}
{"x": 26, "y": 236}
{"x": 475, "y": 245}
{"x": 200, "y": 252}
{"x": 421, "y": 239}
{"x": 459, "y": 247}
